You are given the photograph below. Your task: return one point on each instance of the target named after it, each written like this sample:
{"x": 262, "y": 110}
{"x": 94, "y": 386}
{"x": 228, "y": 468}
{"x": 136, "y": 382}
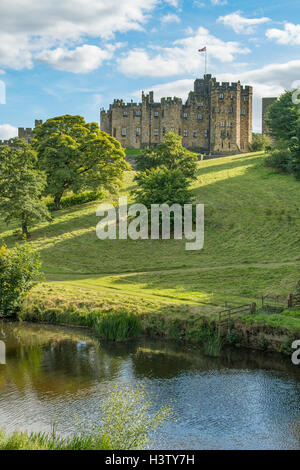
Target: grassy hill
{"x": 252, "y": 246}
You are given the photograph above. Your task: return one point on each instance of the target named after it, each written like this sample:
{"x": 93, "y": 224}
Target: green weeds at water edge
{"x": 126, "y": 425}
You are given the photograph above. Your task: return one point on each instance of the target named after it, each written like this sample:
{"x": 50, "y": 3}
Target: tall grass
{"x": 118, "y": 326}
{"x": 126, "y": 425}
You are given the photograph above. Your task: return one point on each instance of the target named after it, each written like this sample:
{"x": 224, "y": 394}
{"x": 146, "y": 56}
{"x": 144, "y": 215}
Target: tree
{"x": 171, "y": 154}
{"x": 21, "y": 185}
{"x": 283, "y": 116}
{"x": 77, "y": 156}
{"x": 19, "y": 268}
{"x": 162, "y": 186}
{"x": 259, "y": 142}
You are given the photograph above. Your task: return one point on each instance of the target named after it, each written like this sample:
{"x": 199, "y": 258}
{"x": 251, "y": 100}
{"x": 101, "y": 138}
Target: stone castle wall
{"x": 216, "y": 118}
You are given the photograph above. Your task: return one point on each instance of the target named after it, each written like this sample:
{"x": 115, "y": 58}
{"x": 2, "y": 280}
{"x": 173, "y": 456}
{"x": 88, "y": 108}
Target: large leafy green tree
{"x": 21, "y": 185}
{"x": 283, "y": 116}
{"x": 162, "y": 186}
{"x": 171, "y": 154}
{"x": 77, "y": 156}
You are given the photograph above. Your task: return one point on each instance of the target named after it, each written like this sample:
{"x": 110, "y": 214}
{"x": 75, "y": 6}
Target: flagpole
{"x": 205, "y": 61}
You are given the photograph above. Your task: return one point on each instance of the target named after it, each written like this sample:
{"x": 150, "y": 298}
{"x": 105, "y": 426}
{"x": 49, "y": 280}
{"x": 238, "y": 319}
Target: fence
{"x": 238, "y": 310}
{"x": 274, "y": 303}
{"x": 294, "y": 301}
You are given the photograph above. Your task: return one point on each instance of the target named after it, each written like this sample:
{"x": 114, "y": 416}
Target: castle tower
{"x": 216, "y": 118}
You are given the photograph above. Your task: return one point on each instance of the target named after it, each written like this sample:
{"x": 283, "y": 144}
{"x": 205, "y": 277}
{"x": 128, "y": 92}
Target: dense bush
{"x": 162, "y": 186}
{"x": 19, "y": 268}
{"x": 75, "y": 199}
{"x": 259, "y": 142}
{"x": 280, "y": 159}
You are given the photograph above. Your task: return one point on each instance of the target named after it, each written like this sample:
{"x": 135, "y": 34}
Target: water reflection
{"x": 241, "y": 400}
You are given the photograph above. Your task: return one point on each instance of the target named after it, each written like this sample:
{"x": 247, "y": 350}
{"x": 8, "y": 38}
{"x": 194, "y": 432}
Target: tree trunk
{"x": 25, "y": 232}
{"x": 57, "y": 199}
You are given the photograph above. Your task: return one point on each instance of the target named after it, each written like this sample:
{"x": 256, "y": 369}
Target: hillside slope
{"x": 252, "y": 243}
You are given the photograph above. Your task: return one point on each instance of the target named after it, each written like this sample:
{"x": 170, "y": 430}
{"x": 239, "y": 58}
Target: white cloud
{"x": 181, "y": 58}
{"x": 83, "y": 59}
{"x": 240, "y": 24}
{"x": 290, "y": 35}
{"x": 271, "y": 80}
{"x": 170, "y": 18}
{"x": 173, "y": 3}
{"x": 219, "y": 2}
{"x": 29, "y": 26}
{"x": 7, "y": 131}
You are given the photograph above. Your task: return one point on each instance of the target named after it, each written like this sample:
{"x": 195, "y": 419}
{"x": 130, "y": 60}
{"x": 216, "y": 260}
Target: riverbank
{"x": 114, "y": 321}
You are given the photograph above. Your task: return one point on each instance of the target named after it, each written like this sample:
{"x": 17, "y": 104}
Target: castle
{"x": 216, "y": 118}
{"x": 24, "y": 133}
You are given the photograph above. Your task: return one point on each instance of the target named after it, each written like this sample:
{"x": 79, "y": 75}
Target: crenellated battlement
{"x": 217, "y": 117}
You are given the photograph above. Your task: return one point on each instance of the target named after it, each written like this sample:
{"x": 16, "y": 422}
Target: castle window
{"x": 229, "y": 124}
{"x": 222, "y": 123}
{"x": 114, "y": 132}
{"x": 201, "y": 104}
{"x": 218, "y": 110}
{"x": 138, "y": 113}
{"x": 185, "y": 133}
{"x": 156, "y": 132}
{"x": 172, "y": 129}
{"x": 243, "y": 111}
{"x": 206, "y": 133}
{"x": 200, "y": 117}
{"x": 124, "y": 132}
{"x": 195, "y": 133}
{"x": 231, "y": 96}
{"x": 125, "y": 113}
{"x": 155, "y": 113}
{"x": 138, "y": 131}
{"x": 185, "y": 115}
{"x": 230, "y": 109}
{"x": 221, "y": 96}
{"x": 164, "y": 131}
{"x": 245, "y": 99}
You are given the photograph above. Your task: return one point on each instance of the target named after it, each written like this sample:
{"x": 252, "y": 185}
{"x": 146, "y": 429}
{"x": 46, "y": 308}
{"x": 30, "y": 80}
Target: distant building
{"x": 24, "y": 133}
{"x": 216, "y": 118}
{"x": 266, "y": 103}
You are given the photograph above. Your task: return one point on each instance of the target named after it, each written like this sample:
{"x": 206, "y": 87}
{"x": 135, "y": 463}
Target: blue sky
{"x": 75, "y": 56}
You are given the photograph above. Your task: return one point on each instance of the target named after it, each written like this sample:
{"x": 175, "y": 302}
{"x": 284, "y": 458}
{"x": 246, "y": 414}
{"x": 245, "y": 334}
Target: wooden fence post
{"x": 253, "y": 308}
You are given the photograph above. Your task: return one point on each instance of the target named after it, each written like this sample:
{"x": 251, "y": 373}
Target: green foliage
{"x": 78, "y": 156}
{"x": 75, "y": 200}
{"x": 283, "y": 116}
{"x": 169, "y": 154}
{"x": 259, "y": 142}
{"x": 118, "y": 326}
{"x": 19, "y": 269}
{"x": 126, "y": 425}
{"x": 280, "y": 159}
{"x": 21, "y": 185}
{"x": 162, "y": 186}
{"x": 127, "y": 420}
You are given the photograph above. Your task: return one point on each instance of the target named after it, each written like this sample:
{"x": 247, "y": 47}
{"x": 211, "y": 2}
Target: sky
{"x": 76, "y": 56}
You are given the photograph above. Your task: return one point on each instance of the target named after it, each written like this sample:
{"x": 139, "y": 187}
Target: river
{"x": 242, "y": 400}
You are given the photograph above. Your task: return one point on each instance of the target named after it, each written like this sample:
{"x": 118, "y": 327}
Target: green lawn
{"x": 252, "y": 245}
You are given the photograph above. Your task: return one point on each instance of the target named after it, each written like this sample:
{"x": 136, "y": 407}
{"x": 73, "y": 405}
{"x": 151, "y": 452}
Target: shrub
{"x": 19, "y": 267}
{"x": 280, "y": 159}
{"x": 162, "y": 186}
{"x": 74, "y": 200}
{"x": 259, "y": 142}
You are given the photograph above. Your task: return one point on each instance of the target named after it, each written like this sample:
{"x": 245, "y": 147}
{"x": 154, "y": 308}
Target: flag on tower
{"x": 202, "y": 50}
